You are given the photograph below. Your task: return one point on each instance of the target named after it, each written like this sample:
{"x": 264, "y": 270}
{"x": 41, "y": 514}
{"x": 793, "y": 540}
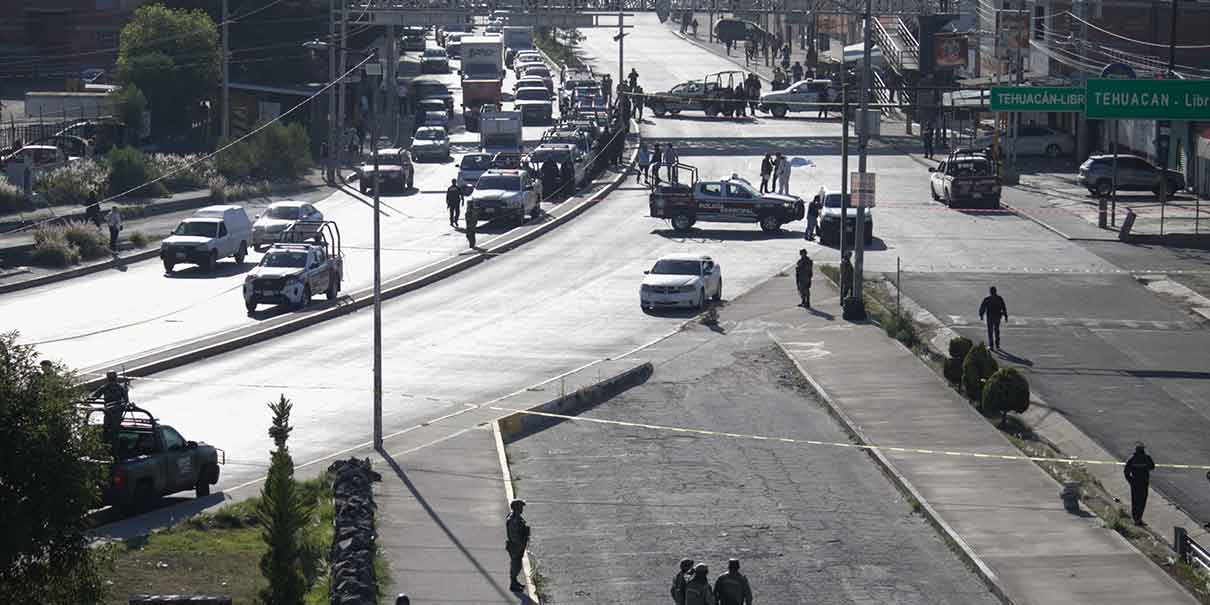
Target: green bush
{"x": 11, "y": 199}
{"x": 182, "y": 172}
{"x": 277, "y": 153}
{"x": 959, "y": 347}
{"x": 1006, "y": 391}
{"x": 129, "y": 103}
{"x": 138, "y": 239}
{"x": 51, "y": 248}
{"x": 978, "y": 366}
{"x": 71, "y": 184}
{"x": 901, "y": 328}
{"x": 238, "y": 161}
{"x": 129, "y": 168}
{"x": 86, "y": 239}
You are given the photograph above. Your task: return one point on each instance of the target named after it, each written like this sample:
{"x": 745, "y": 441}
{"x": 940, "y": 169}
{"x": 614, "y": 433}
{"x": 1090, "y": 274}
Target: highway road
{"x": 99, "y": 320}
{"x": 566, "y": 299}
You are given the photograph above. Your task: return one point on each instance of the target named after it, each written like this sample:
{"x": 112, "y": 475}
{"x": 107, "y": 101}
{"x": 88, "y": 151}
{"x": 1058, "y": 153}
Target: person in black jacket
{"x": 804, "y": 271}
{"x": 1138, "y": 475}
{"x": 993, "y": 310}
{"x": 680, "y": 580}
{"x": 766, "y": 171}
{"x": 453, "y": 201}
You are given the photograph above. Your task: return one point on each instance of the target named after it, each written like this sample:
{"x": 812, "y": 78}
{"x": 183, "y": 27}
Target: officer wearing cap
{"x": 697, "y": 590}
{"x": 115, "y": 396}
{"x": 517, "y": 541}
{"x": 732, "y": 587}
{"x": 680, "y": 580}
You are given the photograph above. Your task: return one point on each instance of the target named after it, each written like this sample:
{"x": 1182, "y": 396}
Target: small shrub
{"x": 959, "y": 347}
{"x": 978, "y": 366}
{"x": 901, "y": 328}
{"x": 138, "y": 239}
{"x": 51, "y": 248}
{"x": 182, "y": 172}
{"x": 128, "y": 169}
{"x": 218, "y": 188}
{"x": 71, "y": 184}
{"x": 284, "y": 152}
{"x": 1006, "y": 391}
{"x": 86, "y": 239}
{"x": 11, "y": 198}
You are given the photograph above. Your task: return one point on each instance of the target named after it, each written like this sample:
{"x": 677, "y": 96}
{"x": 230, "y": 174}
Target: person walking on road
{"x": 732, "y": 588}
{"x": 823, "y": 104}
{"x": 517, "y": 531}
{"x": 796, "y": 71}
{"x": 783, "y": 174}
{"x": 697, "y": 589}
{"x": 846, "y": 276}
{"x": 813, "y": 210}
{"x": 115, "y": 227}
{"x": 804, "y": 272}
{"x": 1138, "y": 475}
{"x": 680, "y": 580}
{"x": 453, "y": 201}
{"x": 472, "y": 222}
{"x": 993, "y": 310}
{"x": 926, "y": 137}
{"x": 633, "y": 76}
{"x": 766, "y": 171}
{"x": 644, "y": 161}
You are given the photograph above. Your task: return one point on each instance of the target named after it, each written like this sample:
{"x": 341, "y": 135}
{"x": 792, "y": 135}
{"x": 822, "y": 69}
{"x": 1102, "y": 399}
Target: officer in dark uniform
{"x": 732, "y": 587}
{"x": 550, "y": 176}
{"x": 453, "y": 201}
{"x": 680, "y": 580}
{"x": 994, "y": 309}
{"x": 846, "y": 276}
{"x": 568, "y": 178}
{"x": 115, "y": 396}
{"x": 517, "y": 541}
{"x": 472, "y": 222}
{"x": 1138, "y": 475}
{"x": 803, "y": 273}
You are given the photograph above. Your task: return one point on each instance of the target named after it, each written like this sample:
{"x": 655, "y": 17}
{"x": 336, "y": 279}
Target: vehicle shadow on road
{"x": 172, "y": 510}
{"x": 875, "y": 245}
{"x": 441, "y": 524}
{"x": 726, "y": 235}
{"x": 227, "y": 269}
{"x": 264, "y": 313}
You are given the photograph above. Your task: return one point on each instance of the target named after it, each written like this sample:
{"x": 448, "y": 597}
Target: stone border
{"x": 354, "y": 534}
{"x": 519, "y": 425}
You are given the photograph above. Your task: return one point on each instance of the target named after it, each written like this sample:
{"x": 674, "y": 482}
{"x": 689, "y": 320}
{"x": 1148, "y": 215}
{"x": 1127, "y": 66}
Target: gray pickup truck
{"x": 150, "y": 460}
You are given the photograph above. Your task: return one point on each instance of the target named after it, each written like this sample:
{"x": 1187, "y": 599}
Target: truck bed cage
{"x": 323, "y": 233}
{"x": 681, "y": 169}
{"x": 133, "y": 416}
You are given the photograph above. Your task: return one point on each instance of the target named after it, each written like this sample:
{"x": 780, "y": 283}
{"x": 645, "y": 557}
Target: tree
{"x": 48, "y": 483}
{"x": 129, "y": 105}
{"x": 173, "y": 57}
{"x": 283, "y": 514}
{"x": 978, "y": 366}
{"x": 1006, "y": 391}
{"x": 959, "y": 347}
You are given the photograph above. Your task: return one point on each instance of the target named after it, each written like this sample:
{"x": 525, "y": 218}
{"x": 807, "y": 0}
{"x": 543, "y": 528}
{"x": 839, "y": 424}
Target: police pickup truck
{"x": 731, "y": 200}
{"x": 307, "y": 260}
{"x": 149, "y": 460}
{"x": 967, "y": 178}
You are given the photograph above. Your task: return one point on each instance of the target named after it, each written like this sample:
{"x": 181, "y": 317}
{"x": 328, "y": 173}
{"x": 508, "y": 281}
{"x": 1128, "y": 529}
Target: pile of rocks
{"x": 354, "y": 543}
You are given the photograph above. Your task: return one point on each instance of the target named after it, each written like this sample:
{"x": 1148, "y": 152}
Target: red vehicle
{"x": 476, "y": 94}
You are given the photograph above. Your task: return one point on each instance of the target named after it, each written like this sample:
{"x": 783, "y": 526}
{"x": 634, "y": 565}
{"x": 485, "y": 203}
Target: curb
{"x": 527, "y": 568}
{"x": 78, "y": 271}
{"x": 989, "y": 577}
{"x": 519, "y": 425}
{"x": 364, "y": 298}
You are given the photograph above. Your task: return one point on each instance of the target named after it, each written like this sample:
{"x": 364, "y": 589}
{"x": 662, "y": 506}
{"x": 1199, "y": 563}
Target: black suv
{"x": 1134, "y": 174}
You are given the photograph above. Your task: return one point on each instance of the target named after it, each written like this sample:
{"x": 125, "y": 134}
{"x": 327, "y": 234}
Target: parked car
{"x": 472, "y": 167}
{"x": 278, "y": 217}
{"x": 436, "y": 118}
{"x": 799, "y": 96}
{"x": 431, "y": 87}
{"x": 561, "y": 153}
{"x": 535, "y": 105}
{"x": 528, "y": 82}
{"x": 1033, "y": 140}
{"x": 829, "y": 220}
{"x": 395, "y": 169}
{"x": 965, "y": 178}
{"x": 424, "y": 106}
{"x": 435, "y": 61}
{"x": 538, "y": 70}
{"x": 211, "y": 234}
{"x": 1134, "y": 174}
{"x": 432, "y": 142}
{"x": 510, "y": 194}
{"x": 681, "y": 280}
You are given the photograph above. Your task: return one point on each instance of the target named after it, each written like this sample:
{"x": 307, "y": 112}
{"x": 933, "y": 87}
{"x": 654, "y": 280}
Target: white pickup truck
{"x": 291, "y": 272}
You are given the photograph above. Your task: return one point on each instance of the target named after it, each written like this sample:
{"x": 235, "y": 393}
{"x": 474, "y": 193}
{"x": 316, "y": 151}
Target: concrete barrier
{"x": 519, "y": 424}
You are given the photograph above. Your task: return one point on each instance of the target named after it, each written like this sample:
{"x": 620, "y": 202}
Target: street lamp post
{"x": 854, "y": 308}
{"x": 377, "y": 277}
{"x": 226, "y": 121}
{"x": 332, "y": 144}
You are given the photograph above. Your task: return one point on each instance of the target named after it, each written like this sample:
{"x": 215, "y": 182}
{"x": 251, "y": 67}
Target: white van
{"x": 212, "y": 233}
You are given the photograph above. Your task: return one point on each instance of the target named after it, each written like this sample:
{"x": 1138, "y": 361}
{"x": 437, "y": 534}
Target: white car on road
{"x": 1033, "y": 140}
{"x": 278, "y": 217}
{"x": 431, "y": 142}
{"x": 681, "y": 280}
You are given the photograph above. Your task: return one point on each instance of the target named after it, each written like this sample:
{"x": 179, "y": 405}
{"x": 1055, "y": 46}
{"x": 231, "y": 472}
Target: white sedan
{"x": 1034, "y": 140}
{"x": 681, "y": 280}
{"x": 278, "y": 217}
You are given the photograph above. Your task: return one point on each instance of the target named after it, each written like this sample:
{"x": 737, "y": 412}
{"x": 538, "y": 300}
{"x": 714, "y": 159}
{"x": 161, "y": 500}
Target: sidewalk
{"x": 1005, "y": 515}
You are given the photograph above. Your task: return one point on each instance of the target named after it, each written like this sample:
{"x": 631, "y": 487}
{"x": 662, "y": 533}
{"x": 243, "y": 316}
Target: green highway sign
{"x": 1037, "y": 98}
{"x": 1148, "y": 99}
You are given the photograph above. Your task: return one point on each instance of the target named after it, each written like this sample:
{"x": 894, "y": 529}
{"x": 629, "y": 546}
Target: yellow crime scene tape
{"x": 884, "y": 448}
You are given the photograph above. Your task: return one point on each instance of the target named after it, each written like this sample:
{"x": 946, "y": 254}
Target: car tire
{"x": 1053, "y": 151}
{"x": 242, "y": 253}
{"x": 711, "y": 109}
{"x": 658, "y": 110}
{"x": 933, "y": 192}
{"x": 778, "y": 111}
{"x": 333, "y": 287}
{"x": 145, "y": 497}
{"x": 770, "y": 224}
{"x": 701, "y": 300}
{"x": 718, "y": 294}
{"x": 202, "y": 489}
{"x": 211, "y": 261}
{"x": 169, "y": 266}
{"x": 250, "y": 305}
{"x": 305, "y": 300}
{"x": 682, "y": 222}
{"x": 1104, "y": 188}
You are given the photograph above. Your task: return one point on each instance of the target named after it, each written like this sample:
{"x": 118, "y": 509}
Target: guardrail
{"x": 1190, "y": 552}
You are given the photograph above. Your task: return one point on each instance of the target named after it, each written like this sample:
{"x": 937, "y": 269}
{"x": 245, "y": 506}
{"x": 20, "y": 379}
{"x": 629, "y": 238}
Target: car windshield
{"x": 200, "y": 229}
{"x": 533, "y": 94}
{"x": 832, "y": 200}
{"x": 389, "y": 158}
{"x": 429, "y": 89}
{"x": 541, "y": 155}
{"x": 537, "y": 70}
{"x": 285, "y": 259}
{"x": 969, "y": 167}
{"x": 288, "y": 213}
{"x": 438, "y": 53}
{"x": 499, "y": 182}
{"x": 430, "y": 135}
{"x": 677, "y": 267}
{"x": 476, "y": 162}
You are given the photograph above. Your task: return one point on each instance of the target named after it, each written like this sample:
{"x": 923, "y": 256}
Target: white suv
{"x": 507, "y": 193}
{"x": 681, "y": 280}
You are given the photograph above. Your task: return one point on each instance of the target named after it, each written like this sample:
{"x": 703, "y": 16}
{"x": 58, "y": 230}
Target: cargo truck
{"x": 500, "y": 131}
{"x": 482, "y": 75}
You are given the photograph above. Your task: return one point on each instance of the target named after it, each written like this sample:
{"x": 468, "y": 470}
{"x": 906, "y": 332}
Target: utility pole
{"x": 344, "y": 58}
{"x": 377, "y": 278}
{"x": 331, "y": 159}
{"x": 621, "y": 44}
{"x": 1163, "y": 128}
{"x": 391, "y": 85}
{"x": 855, "y": 309}
{"x": 226, "y": 121}
{"x": 844, "y": 160}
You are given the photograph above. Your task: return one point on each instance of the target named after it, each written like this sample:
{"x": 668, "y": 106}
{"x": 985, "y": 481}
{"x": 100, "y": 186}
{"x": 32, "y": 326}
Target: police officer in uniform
{"x": 1138, "y": 475}
{"x": 697, "y": 590}
{"x": 115, "y": 397}
{"x": 517, "y": 541}
{"x": 680, "y": 580}
{"x": 732, "y": 587}
{"x": 472, "y": 221}
{"x": 846, "y": 276}
{"x": 453, "y": 201}
{"x": 803, "y": 272}
{"x": 993, "y": 309}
